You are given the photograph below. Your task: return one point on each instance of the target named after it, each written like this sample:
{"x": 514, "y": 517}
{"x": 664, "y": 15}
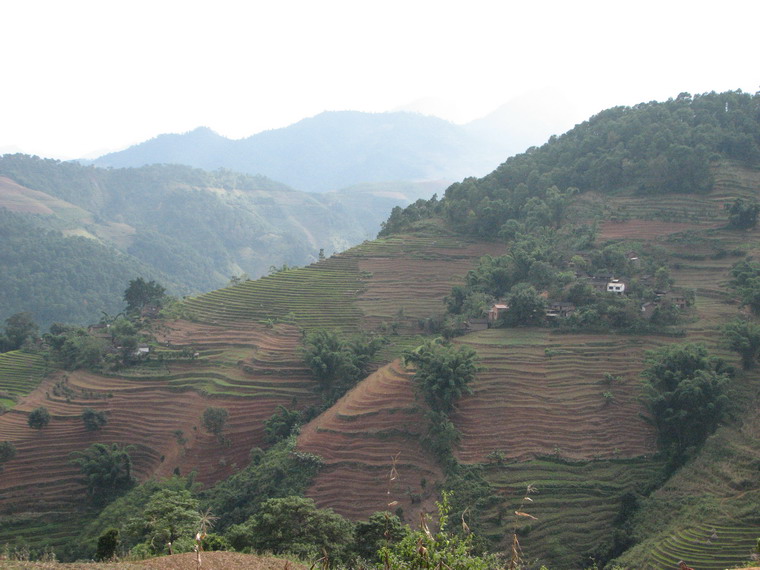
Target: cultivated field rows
{"x": 575, "y": 501}
{"x": 373, "y": 428}
{"x": 547, "y": 397}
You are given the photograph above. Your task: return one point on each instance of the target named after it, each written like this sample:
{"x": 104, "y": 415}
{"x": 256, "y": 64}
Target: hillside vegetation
{"x": 76, "y": 235}
{"x": 557, "y": 452}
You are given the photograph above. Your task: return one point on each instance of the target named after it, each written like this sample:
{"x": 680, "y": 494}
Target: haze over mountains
{"x": 342, "y": 148}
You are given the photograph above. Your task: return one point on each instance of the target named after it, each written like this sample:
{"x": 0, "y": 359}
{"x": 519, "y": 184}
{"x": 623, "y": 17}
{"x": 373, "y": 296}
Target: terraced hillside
{"x": 360, "y": 288}
{"x": 707, "y": 513}
{"x": 370, "y": 442}
{"x": 575, "y": 504}
{"x": 239, "y": 355}
{"x": 712, "y": 547}
{"x": 543, "y": 394}
{"x": 157, "y": 408}
{"x": 543, "y": 402}
{"x": 20, "y": 373}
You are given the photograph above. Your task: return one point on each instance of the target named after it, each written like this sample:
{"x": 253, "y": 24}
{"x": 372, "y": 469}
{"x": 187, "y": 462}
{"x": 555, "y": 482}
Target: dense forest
{"x": 61, "y": 279}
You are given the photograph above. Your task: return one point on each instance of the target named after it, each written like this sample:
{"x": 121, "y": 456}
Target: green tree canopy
{"x": 39, "y": 418}
{"x": 169, "y": 516}
{"x": 281, "y": 424}
{"x": 107, "y": 469}
{"x": 743, "y": 213}
{"x": 295, "y": 525}
{"x": 279, "y": 471}
{"x": 684, "y": 392}
{"x": 336, "y": 362}
{"x": 526, "y": 306}
{"x": 7, "y": 451}
{"x": 746, "y": 281}
{"x": 93, "y": 420}
{"x": 443, "y": 372}
{"x": 382, "y": 529}
{"x": 121, "y": 513}
{"x": 424, "y": 548}
{"x": 214, "y": 419}
{"x": 140, "y": 293}
{"x": 108, "y": 544}
{"x": 743, "y": 337}
{"x": 18, "y": 329}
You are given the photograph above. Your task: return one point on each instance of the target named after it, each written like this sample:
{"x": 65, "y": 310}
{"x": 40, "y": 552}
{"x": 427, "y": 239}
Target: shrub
{"x": 93, "y": 420}
{"x": 39, "y": 418}
{"x": 7, "y": 451}
{"x": 214, "y": 419}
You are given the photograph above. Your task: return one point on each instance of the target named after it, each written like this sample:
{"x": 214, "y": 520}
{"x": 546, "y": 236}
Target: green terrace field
{"x": 319, "y": 295}
{"x": 391, "y": 279}
{"x": 708, "y": 512}
{"x": 20, "y": 373}
{"x": 575, "y": 504}
{"x": 707, "y": 547}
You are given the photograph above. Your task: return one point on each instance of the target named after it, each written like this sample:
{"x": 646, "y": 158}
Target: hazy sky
{"x": 83, "y": 77}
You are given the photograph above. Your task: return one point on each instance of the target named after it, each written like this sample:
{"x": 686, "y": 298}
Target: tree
{"x": 684, "y": 392}
{"x": 214, "y": 419}
{"x": 338, "y": 363}
{"x": 140, "y": 293}
{"x": 93, "y": 420}
{"x": 18, "y": 329}
{"x": 382, "y": 529}
{"x": 743, "y": 337}
{"x": 746, "y": 281}
{"x": 108, "y": 543}
{"x": 662, "y": 279}
{"x": 742, "y": 214}
{"x": 7, "y": 451}
{"x": 107, "y": 469}
{"x": 170, "y": 519}
{"x": 295, "y": 525}
{"x": 526, "y": 306}
{"x": 281, "y": 424}
{"x": 39, "y": 418}
{"x": 443, "y": 373}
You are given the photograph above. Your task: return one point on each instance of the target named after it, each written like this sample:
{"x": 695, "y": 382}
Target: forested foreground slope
{"x": 555, "y": 411}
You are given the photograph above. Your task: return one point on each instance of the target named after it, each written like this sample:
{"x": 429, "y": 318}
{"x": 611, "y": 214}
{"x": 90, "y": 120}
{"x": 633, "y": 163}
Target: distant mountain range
{"x": 337, "y": 149}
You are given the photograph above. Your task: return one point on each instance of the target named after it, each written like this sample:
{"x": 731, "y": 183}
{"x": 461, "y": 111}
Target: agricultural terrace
{"x": 399, "y": 278}
{"x": 707, "y": 547}
{"x": 20, "y": 373}
{"x": 542, "y": 393}
{"x": 718, "y": 532}
{"x": 157, "y": 407}
{"x": 370, "y": 443}
{"x": 574, "y": 504}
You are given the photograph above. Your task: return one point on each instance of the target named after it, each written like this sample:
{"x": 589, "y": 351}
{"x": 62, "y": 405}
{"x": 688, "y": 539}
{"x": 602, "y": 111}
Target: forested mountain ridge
{"x": 190, "y": 228}
{"x": 649, "y": 149}
{"x": 333, "y": 150}
{"x": 589, "y": 425}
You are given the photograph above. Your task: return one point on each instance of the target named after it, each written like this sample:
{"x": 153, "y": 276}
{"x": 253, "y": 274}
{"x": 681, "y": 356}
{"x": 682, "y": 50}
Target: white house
{"x": 616, "y": 286}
